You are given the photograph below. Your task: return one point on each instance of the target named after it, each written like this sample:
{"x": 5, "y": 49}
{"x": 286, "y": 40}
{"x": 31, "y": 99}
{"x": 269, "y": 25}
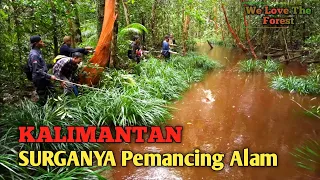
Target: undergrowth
{"x": 309, "y": 84}
{"x": 267, "y": 66}
{"x": 308, "y": 155}
{"x": 142, "y": 98}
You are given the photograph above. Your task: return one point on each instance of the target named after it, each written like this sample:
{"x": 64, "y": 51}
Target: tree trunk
{"x": 78, "y": 37}
{"x": 71, "y": 28}
{"x": 144, "y": 24}
{"x": 17, "y": 30}
{"x": 247, "y": 34}
{"x": 114, "y": 47}
{"x": 185, "y": 33}
{"x": 100, "y": 15}
{"x": 235, "y": 36}
{"x": 126, "y": 13}
{"x": 54, "y": 27}
{"x": 215, "y": 14}
{"x": 153, "y": 24}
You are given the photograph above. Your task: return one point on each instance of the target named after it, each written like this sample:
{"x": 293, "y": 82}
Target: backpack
{"x": 27, "y": 71}
{"x": 130, "y": 54}
{"x": 56, "y": 59}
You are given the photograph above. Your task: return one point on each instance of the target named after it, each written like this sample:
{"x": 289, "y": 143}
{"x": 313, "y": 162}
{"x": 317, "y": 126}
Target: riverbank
{"x": 142, "y": 98}
{"x": 244, "y": 113}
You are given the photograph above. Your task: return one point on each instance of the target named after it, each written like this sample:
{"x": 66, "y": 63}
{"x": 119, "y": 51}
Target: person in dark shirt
{"x": 172, "y": 42}
{"x": 38, "y": 67}
{"x": 166, "y": 52}
{"x": 66, "y": 49}
{"x": 65, "y": 70}
{"x": 136, "y": 49}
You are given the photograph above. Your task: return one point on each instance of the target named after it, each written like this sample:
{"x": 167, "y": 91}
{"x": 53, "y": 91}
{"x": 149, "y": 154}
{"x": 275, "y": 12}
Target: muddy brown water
{"x": 245, "y": 113}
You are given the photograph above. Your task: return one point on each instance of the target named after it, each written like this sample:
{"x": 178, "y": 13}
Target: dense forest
{"x": 128, "y": 93}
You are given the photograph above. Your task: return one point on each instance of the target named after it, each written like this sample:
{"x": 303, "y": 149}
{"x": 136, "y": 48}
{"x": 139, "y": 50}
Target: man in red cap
{"x": 38, "y": 67}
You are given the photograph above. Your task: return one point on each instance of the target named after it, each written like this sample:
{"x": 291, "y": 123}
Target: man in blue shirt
{"x": 66, "y": 49}
{"x": 38, "y": 67}
{"x": 166, "y": 52}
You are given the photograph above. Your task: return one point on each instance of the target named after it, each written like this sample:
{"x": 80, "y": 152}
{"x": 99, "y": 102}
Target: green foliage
{"x": 69, "y": 173}
{"x": 168, "y": 80}
{"x": 120, "y": 106}
{"x": 251, "y": 65}
{"x": 89, "y": 34}
{"x": 303, "y": 85}
{"x": 54, "y": 113}
{"x": 9, "y": 169}
{"x": 248, "y": 66}
{"x": 134, "y": 28}
{"x": 308, "y": 156}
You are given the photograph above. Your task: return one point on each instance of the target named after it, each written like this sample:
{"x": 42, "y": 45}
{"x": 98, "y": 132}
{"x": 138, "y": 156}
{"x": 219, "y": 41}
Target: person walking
{"x": 166, "y": 52}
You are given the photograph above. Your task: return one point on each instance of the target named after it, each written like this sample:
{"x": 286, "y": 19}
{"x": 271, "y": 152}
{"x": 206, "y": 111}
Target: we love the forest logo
{"x": 277, "y": 16}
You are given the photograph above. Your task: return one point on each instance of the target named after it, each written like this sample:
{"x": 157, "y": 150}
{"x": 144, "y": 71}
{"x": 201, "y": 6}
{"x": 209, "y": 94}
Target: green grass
{"x": 251, "y": 65}
{"x": 308, "y": 156}
{"x": 303, "y": 85}
{"x": 140, "y": 99}
{"x": 54, "y": 113}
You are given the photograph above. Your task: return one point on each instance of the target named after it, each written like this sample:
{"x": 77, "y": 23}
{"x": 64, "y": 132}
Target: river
{"x": 242, "y": 112}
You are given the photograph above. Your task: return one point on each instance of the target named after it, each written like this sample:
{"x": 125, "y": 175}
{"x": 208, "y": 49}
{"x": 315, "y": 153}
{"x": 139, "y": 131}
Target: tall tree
{"x": 235, "y": 36}
{"x": 54, "y": 27}
{"x": 78, "y": 37}
{"x": 154, "y": 22}
{"x": 126, "y": 11}
{"x": 100, "y": 15}
{"x": 114, "y": 47}
{"x": 247, "y": 33}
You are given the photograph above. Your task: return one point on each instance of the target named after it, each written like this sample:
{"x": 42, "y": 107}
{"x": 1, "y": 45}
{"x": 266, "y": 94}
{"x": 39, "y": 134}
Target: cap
{"x": 35, "y": 39}
{"x": 77, "y": 55}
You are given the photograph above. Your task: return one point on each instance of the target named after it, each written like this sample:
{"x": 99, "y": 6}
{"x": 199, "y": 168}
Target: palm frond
{"x": 134, "y": 28}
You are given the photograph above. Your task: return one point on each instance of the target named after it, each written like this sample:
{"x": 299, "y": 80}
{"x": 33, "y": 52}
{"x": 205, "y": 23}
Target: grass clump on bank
{"x": 251, "y": 65}
{"x": 309, "y": 84}
{"x": 308, "y": 156}
{"x": 123, "y": 100}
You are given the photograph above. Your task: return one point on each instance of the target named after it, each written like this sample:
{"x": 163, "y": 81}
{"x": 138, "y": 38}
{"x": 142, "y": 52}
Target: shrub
{"x": 303, "y": 85}
{"x": 250, "y": 65}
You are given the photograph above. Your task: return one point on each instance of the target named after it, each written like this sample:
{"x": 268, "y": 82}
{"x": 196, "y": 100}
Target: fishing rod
{"x": 84, "y": 86}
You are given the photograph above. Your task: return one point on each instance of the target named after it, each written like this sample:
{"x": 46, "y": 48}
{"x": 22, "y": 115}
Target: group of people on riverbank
{"x": 66, "y": 64}
{"x": 136, "y": 51}
{"x": 64, "y": 68}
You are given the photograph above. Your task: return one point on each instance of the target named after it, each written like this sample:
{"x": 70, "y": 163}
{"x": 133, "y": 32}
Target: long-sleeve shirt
{"x": 37, "y": 65}
{"x": 135, "y": 47}
{"x": 64, "y": 68}
{"x": 68, "y": 51}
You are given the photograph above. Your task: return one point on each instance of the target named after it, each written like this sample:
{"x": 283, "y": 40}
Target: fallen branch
{"x": 276, "y": 49}
{"x": 275, "y": 54}
{"x": 305, "y": 109}
{"x": 210, "y": 44}
{"x": 315, "y": 61}
{"x": 290, "y": 59}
